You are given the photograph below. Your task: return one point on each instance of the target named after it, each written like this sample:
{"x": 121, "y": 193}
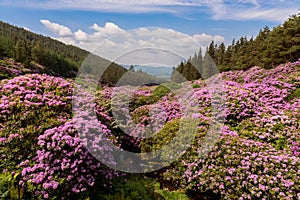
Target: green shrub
{"x": 141, "y": 115}
{"x": 135, "y": 187}
{"x": 196, "y": 86}
{"x": 9, "y": 187}
{"x": 161, "y": 91}
{"x": 295, "y": 94}
{"x": 162, "y": 137}
{"x": 5, "y": 180}
{"x": 138, "y": 101}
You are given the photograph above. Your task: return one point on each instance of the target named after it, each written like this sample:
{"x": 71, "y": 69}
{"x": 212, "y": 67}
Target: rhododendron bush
{"x": 63, "y": 165}
{"x": 39, "y": 139}
{"x": 28, "y": 106}
{"x": 256, "y": 155}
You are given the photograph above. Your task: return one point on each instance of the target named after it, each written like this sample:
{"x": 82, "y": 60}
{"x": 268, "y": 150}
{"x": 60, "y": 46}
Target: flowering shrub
{"x": 257, "y": 155}
{"x": 38, "y": 140}
{"x": 63, "y": 167}
{"x": 240, "y": 168}
{"x": 9, "y": 68}
{"x": 29, "y": 105}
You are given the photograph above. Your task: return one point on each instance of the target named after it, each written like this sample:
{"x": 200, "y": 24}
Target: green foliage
{"x": 173, "y": 195}
{"x": 280, "y": 143}
{"x": 4, "y": 74}
{"x": 165, "y": 89}
{"x": 138, "y": 101}
{"x": 5, "y": 180}
{"x": 267, "y": 50}
{"x": 9, "y": 187}
{"x": 162, "y": 137}
{"x": 161, "y": 91}
{"x": 295, "y": 94}
{"x": 138, "y": 114}
{"x": 5, "y": 63}
{"x": 135, "y": 187}
{"x": 196, "y": 86}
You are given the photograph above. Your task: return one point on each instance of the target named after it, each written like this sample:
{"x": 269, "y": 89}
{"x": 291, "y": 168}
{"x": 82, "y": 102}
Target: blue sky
{"x": 177, "y": 25}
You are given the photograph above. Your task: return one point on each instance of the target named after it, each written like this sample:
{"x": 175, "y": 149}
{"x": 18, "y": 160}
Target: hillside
{"x": 230, "y": 136}
{"x": 42, "y": 54}
{"x": 255, "y": 154}
{"x": 27, "y": 47}
{"x": 158, "y": 71}
{"x": 23, "y": 52}
{"x": 268, "y": 49}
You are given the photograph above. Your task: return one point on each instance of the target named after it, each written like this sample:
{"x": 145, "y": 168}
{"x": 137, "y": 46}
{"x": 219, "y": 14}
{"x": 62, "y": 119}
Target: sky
{"x": 146, "y": 32}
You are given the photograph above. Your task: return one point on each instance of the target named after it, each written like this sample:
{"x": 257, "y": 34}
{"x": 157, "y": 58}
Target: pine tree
{"x": 209, "y": 67}
{"x": 211, "y": 50}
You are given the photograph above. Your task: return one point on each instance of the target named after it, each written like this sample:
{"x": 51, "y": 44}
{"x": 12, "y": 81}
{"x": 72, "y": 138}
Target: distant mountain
{"x": 160, "y": 72}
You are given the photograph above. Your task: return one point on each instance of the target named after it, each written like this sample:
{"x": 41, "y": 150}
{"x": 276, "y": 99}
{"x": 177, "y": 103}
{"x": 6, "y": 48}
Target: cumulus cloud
{"x": 108, "y": 29}
{"x": 56, "y": 28}
{"x": 205, "y": 38}
{"x": 139, "y": 46}
{"x": 80, "y": 35}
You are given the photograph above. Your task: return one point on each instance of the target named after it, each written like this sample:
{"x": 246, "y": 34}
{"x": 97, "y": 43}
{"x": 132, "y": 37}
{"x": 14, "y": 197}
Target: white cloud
{"x": 276, "y": 14}
{"x": 272, "y": 10}
{"x": 108, "y": 29}
{"x": 27, "y": 29}
{"x": 56, "y": 28}
{"x": 67, "y": 40}
{"x": 80, "y": 35}
{"x": 137, "y": 6}
{"x": 205, "y": 38}
{"x": 142, "y": 46}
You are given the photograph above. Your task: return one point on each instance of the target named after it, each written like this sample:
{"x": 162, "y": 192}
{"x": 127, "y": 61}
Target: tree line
{"x": 58, "y": 58}
{"x": 269, "y": 49}
{"x": 27, "y": 47}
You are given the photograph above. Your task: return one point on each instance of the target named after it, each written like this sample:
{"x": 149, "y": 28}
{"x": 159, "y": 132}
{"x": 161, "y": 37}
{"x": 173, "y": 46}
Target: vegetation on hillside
{"x": 47, "y": 151}
{"x": 268, "y": 49}
{"x": 40, "y": 54}
{"x": 256, "y": 154}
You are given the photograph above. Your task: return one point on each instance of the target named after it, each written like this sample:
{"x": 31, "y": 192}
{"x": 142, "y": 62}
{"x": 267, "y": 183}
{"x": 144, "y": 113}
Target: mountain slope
{"x": 23, "y": 52}
{"x": 268, "y": 49}
{"x": 161, "y": 72}
{"x": 48, "y": 55}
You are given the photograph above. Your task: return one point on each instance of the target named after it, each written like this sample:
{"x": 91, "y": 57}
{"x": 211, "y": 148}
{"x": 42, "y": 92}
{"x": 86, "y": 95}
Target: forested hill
{"x": 268, "y": 49}
{"x": 43, "y": 54}
{"x": 27, "y": 47}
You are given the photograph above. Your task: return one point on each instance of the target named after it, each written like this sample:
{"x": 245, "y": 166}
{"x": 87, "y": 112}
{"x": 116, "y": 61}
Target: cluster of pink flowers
{"x": 33, "y": 91}
{"x": 257, "y": 155}
{"x": 63, "y": 165}
{"x": 28, "y": 105}
{"x": 52, "y": 156}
